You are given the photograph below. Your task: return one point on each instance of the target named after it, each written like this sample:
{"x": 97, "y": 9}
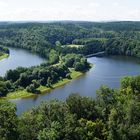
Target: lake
{"x": 106, "y": 71}
{"x": 19, "y": 57}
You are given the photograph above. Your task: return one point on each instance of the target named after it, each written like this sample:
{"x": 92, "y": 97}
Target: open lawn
{"x": 73, "y": 46}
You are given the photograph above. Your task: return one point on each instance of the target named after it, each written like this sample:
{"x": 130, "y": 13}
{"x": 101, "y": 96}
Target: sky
{"x": 83, "y": 10}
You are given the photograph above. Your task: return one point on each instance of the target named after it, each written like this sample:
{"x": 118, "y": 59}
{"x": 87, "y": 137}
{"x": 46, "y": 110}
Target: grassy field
{"x": 18, "y": 94}
{"x": 4, "y": 56}
{"x": 43, "y": 89}
{"x": 74, "y": 46}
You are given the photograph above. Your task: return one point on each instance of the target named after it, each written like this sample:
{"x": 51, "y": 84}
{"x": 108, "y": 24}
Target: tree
{"x": 58, "y": 44}
{"x": 33, "y": 87}
{"x": 5, "y": 87}
{"x": 53, "y": 57}
{"x": 82, "y": 107}
{"x": 89, "y": 130}
{"x": 52, "y": 133}
{"x": 8, "y": 121}
{"x": 78, "y": 66}
{"x": 49, "y": 82}
{"x": 24, "y": 80}
{"x": 105, "y": 101}
{"x": 12, "y": 75}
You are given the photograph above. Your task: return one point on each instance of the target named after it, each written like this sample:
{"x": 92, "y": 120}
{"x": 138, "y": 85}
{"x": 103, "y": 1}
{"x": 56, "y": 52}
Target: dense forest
{"x": 119, "y": 38}
{"x": 113, "y": 115}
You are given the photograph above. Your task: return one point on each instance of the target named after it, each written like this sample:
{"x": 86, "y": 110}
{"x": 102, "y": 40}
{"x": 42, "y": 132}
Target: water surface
{"x": 19, "y": 57}
{"x": 106, "y": 71}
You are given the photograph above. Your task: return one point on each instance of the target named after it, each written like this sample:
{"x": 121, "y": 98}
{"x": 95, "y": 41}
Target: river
{"x": 105, "y": 71}
{"x": 19, "y": 57}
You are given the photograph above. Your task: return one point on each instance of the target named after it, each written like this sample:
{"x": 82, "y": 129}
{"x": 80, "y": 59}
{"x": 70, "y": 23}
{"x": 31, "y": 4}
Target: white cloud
{"x": 3, "y": 4}
{"x": 135, "y": 12}
{"x": 94, "y": 4}
{"x": 69, "y": 10}
{"x": 116, "y": 4}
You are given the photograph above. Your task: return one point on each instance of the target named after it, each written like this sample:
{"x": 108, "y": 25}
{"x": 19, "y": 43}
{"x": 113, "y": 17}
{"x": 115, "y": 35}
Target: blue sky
{"x": 91, "y": 10}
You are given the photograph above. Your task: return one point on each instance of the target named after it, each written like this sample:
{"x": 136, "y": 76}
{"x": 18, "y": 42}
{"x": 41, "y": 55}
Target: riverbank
{"x": 24, "y": 94}
{"x": 5, "y": 55}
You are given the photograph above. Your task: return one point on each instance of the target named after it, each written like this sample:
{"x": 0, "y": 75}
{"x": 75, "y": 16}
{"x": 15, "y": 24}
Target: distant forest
{"x": 119, "y": 38}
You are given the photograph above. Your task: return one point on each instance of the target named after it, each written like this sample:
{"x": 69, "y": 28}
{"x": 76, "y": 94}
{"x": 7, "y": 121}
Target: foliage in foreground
{"x": 113, "y": 115}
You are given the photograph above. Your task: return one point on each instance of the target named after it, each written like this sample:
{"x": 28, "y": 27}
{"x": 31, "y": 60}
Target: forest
{"x": 119, "y": 38}
{"x": 113, "y": 115}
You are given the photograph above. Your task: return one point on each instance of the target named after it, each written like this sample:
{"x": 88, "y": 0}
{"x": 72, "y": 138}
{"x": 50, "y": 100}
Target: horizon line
{"x": 45, "y": 21}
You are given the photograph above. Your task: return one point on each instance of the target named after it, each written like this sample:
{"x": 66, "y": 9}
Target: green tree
{"x": 53, "y": 57}
{"x": 8, "y": 121}
{"x": 82, "y": 107}
{"x": 89, "y": 130}
{"x": 105, "y": 101}
{"x": 52, "y": 133}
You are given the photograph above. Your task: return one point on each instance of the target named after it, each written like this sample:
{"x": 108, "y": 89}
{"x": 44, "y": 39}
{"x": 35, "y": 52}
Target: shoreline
{"x": 5, "y": 55}
{"x": 23, "y": 94}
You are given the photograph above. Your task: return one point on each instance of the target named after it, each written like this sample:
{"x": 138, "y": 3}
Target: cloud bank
{"x": 91, "y": 10}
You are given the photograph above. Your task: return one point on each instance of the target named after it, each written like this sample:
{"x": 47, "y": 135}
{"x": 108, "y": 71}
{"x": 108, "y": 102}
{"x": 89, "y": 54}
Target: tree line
{"x": 120, "y": 38}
